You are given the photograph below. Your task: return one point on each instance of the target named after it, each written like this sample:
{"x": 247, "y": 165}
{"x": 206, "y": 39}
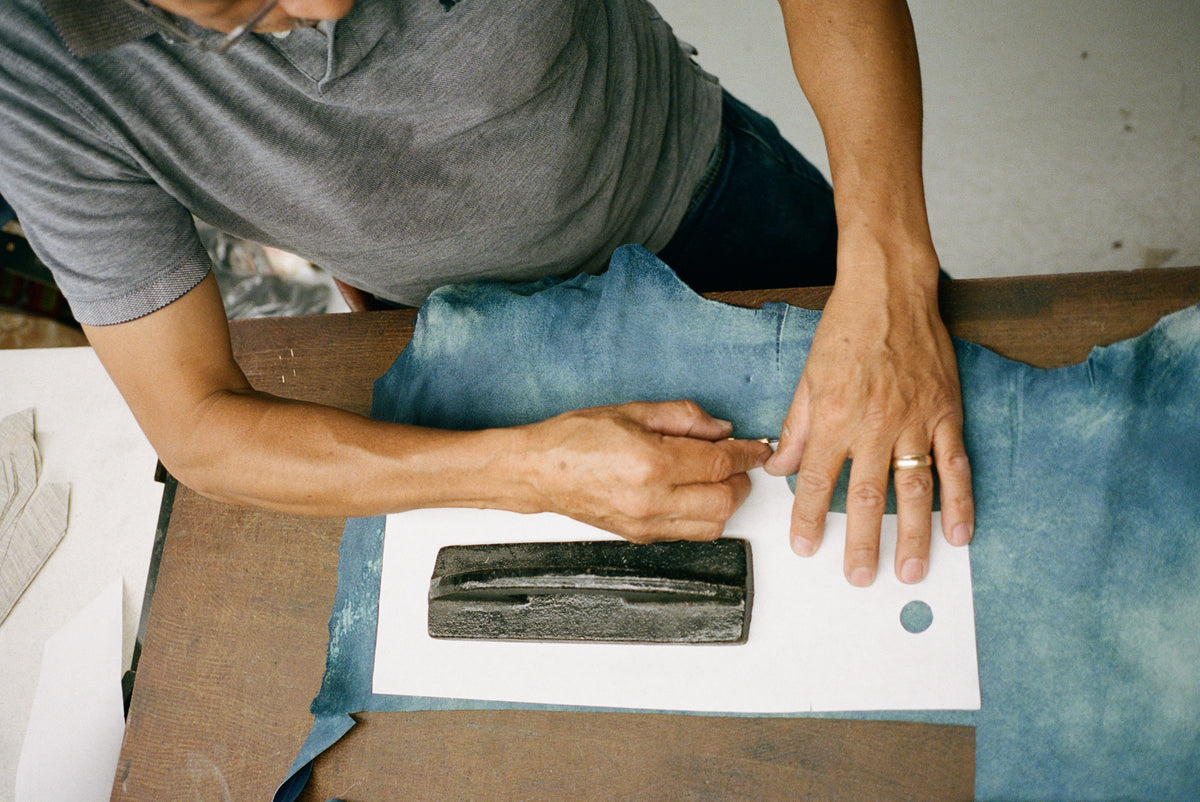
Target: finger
{"x": 671, "y": 529}
{"x": 914, "y": 510}
{"x": 678, "y": 418}
{"x": 712, "y": 503}
{"x": 866, "y": 497}
{"x": 694, "y": 512}
{"x": 699, "y": 461}
{"x": 792, "y": 437}
{"x": 954, "y": 474}
{"x": 815, "y": 480}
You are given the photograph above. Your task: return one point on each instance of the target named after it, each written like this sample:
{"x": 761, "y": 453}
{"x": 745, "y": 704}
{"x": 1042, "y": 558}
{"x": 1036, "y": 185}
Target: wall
{"x": 1059, "y": 136}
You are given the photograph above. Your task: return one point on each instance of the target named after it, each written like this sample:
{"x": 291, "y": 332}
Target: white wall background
{"x": 1059, "y": 136}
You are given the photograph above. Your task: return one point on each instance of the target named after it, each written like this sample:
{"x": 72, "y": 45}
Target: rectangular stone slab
{"x": 680, "y": 592}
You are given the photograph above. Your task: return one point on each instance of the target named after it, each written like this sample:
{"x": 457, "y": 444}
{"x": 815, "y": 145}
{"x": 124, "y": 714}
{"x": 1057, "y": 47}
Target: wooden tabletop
{"x": 237, "y": 630}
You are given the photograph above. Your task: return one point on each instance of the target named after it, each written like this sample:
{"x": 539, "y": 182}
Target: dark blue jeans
{"x": 762, "y": 216}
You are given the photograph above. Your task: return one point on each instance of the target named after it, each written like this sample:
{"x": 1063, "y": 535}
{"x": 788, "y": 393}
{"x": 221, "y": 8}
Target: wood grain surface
{"x": 236, "y": 635}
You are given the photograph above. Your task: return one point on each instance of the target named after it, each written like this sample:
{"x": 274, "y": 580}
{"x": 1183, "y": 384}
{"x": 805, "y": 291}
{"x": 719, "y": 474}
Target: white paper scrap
{"x": 816, "y": 643}
{"x": 33, "y": 516}
{"x": 77, "y": 722}
{"x": 20, "y": 463}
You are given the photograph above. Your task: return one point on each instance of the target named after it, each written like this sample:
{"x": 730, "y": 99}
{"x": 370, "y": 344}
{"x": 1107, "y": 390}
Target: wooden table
{"x": 236, "y": 634}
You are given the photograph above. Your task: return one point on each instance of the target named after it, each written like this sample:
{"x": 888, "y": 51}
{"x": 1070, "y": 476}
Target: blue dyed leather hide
{"x": 1086, "y": 558}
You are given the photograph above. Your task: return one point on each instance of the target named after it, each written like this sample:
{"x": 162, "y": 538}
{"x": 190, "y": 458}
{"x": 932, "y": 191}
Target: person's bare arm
{"x": 645, "y": 471}
{"x": 881, "y": 380}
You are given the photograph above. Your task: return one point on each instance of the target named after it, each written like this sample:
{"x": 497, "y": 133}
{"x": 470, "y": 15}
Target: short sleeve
{"x": 118, "y": 245}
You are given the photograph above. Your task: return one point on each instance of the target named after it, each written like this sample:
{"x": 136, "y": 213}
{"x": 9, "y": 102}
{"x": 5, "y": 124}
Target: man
{"x": 413, "y": 143}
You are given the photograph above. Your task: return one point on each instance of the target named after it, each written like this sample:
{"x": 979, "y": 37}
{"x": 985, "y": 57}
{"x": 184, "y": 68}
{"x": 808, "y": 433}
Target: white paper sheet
{"x": 78, "y": 718}
{"x": 89, "y": 440}
{"x": 815, "y": 644}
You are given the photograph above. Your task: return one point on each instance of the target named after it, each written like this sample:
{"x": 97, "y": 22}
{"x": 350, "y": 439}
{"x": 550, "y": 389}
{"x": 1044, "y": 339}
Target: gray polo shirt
{"x": 404, "y": 147}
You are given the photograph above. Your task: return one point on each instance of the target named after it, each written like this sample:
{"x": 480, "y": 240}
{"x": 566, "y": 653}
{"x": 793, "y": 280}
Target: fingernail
{"x": 861, "y": 577}
{"x": 912, "y": 571}
{"x": 961, "y": 535}
{"x": 805, "y": 548}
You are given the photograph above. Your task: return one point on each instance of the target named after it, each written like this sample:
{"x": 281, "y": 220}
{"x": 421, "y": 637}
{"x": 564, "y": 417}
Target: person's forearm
{"x": 645, "y": 471}
{"x": 251, "y": 448}
{"x": 856, "y": 61}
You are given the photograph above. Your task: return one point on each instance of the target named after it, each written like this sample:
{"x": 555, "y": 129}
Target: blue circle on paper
{"x": 916, "y": 616}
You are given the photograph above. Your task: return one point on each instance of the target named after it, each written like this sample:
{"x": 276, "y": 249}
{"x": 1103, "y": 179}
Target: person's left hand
{"x": 880, "y": 383}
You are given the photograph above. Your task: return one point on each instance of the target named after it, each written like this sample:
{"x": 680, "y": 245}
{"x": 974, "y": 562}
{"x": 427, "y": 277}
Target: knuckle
{"x": 861, "y": 554}
{"x": 726, "y": 504}
{"x": 955, "y": 461}
{"x": 640, "y": 531}
{"x": 703, "y": 531}
{"x": 808, "y": 522}
{"x": 962, "y": 503}
{"x": 643, "y": 470}
{"x": 882, "y": 411}
{"x": 866, "y": 496}
{"x": 914, "y": 484}
{"x": 739, "y": 488}
{"x": 912, "y": 542}
{"x": 835, "y": 417}
{"x": 813, "y": 483}
{"x": 876, "y": 416}
{"x": 642, "y": 508}
{"x": 947, "y": 400}
{"x": 721, "y": 464}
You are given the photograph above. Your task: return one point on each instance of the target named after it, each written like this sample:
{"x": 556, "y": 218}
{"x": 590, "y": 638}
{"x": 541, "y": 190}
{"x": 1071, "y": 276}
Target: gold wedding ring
{"x": 912, "y": 461}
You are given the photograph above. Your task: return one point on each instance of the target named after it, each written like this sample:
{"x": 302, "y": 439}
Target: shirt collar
{"x": 89, "y": 26}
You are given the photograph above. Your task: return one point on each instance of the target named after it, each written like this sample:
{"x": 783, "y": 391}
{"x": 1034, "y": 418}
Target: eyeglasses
{"x": 169, "y": 24}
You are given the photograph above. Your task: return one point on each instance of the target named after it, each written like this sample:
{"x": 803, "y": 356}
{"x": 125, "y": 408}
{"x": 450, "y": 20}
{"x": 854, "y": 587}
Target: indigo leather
{"x": 1086, "y": 557}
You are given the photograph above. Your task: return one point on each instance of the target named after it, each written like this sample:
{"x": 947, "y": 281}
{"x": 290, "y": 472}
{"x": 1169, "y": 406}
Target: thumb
{"x": 792, "y": 439}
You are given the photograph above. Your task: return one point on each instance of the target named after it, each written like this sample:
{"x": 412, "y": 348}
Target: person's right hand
{"x": 646, "y": 471}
